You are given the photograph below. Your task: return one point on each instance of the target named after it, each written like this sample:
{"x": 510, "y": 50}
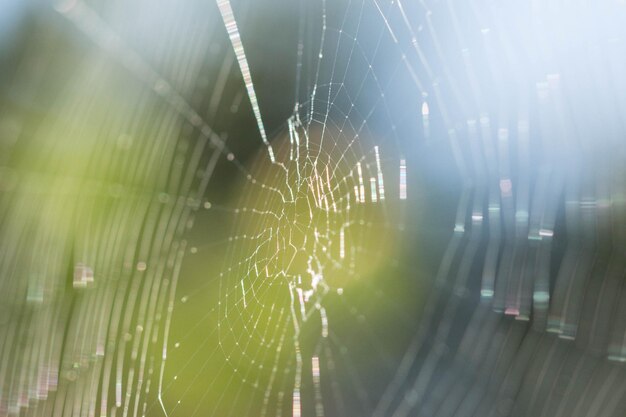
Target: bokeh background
{"x": 156, "y": 261}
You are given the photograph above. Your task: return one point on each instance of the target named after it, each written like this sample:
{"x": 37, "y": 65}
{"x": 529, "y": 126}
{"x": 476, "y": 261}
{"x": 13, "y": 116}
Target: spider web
{"x": 303, "y": 221}
{"x": 231, "y": 258}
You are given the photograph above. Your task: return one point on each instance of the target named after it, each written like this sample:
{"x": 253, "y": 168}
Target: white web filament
{"x": 426, "y": 119}
{"x": 381, "y": 185}
{"x": 402, "y": 179}
{"x": 342, "y": 243}
{"x": 373, "y": 189}
{"x": 361, "y": 184}
{"x": 235, "y": 39}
